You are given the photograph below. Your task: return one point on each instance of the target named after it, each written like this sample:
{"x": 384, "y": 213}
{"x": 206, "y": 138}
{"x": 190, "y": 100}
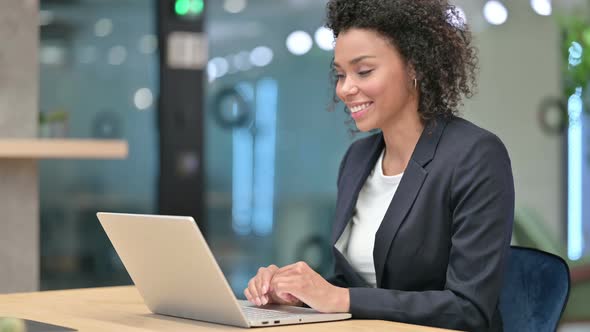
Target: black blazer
{"x": 441, "y": 248}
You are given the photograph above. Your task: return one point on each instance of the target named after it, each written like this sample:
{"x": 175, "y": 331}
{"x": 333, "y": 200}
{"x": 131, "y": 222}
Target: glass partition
{"x": 98, "y": 80}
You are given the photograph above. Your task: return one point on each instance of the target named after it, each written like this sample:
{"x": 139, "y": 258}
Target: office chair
{"x": 535, "y": 292}
{"x": 530, "y": 230}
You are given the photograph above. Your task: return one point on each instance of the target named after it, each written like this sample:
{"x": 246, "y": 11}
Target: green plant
{"x": 54, "y": 116}
{"x": 10, "y": 324}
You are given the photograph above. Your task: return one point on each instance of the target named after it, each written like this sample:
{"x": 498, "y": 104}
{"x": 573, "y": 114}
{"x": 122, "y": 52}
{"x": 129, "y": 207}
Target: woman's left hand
{"x": 301, "y": 281}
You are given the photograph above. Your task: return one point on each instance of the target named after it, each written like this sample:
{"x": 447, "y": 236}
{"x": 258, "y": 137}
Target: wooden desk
{"x": 121, "y": 309}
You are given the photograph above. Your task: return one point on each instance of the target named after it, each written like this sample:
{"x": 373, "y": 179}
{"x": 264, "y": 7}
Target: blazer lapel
{"x": 366, "y": 164}
{"x": 406, "y": 193}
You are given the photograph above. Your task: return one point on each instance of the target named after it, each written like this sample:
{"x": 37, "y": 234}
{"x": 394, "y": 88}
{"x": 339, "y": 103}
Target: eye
{"x": 338, "y": 76}
{"x": 365, "y": 73}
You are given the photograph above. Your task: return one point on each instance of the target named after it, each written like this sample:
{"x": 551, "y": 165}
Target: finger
{"x": 265, "y": 279}
{"x": 266, "y": 282}
{"x": 265, "y": 286}
{"x": 298, "y": 267}
{"x": 292, "y": 272}
{"x": 253, "y": 290}
{"x": 283, "y": 284}
{"x": 288, "y": 291}
{"x": 248, "y": 295}
{"x": 284, "y": 296}
{"x": 261, "y": 288}
{"x": 258, "y": 283}
{"x": 286, "y": 272}
{"x": 286, "y": 268}
{"x": 262, "y": 298}
{"x": 292, "y": 299}
{"x": 287, "y": 298}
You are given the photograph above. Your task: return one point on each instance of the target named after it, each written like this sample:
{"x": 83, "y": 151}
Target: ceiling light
{"x": 299, "y": 42}
{"x": 495, "y": 12}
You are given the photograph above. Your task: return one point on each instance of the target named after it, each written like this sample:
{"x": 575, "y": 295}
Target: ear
{"x": 411, "y": 70}
{"x": 412, "y": 76}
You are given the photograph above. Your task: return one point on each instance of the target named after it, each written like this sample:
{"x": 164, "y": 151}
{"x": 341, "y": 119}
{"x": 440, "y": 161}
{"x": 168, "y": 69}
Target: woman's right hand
{"x": 260, "y": 293}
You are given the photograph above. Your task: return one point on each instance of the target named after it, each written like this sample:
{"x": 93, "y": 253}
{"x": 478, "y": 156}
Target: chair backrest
{"x": 535, "y": 291}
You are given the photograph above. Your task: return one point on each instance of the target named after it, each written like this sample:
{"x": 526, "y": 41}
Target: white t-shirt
{"x": 358, "y": 239}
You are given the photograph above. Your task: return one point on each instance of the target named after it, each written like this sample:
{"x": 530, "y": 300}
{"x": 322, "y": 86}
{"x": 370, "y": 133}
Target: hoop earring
{"x": 415, "y": 83}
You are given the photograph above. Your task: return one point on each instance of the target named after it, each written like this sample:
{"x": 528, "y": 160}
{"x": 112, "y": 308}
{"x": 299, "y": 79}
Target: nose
{"x": 348, "y": 88}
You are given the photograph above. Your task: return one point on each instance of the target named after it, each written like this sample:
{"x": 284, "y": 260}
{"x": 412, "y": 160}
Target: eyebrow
{"x": 356, "y": 60}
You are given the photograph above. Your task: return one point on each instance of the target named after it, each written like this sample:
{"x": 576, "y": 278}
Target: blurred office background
{"x": 270, "y": 147}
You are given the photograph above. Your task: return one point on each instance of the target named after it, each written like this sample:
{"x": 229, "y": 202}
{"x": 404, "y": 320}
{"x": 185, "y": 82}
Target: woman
{"x": 425, "y": 207}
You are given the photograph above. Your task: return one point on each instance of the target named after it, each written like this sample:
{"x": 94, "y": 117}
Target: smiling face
{"x": 373, "y": 79}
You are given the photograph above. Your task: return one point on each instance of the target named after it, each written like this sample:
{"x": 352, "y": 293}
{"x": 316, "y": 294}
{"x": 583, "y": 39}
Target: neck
{"x": 401, "y": 137}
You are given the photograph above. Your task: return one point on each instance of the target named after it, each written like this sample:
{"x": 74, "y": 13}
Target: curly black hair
{"x": 431, "y": 37}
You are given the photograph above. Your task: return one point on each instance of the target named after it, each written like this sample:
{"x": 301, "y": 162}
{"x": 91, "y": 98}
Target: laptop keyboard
{"x": 254, "y": 313}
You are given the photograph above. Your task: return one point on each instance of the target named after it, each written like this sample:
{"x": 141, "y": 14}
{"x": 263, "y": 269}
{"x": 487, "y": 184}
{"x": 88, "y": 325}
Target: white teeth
{"x": 359, "y": 107}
